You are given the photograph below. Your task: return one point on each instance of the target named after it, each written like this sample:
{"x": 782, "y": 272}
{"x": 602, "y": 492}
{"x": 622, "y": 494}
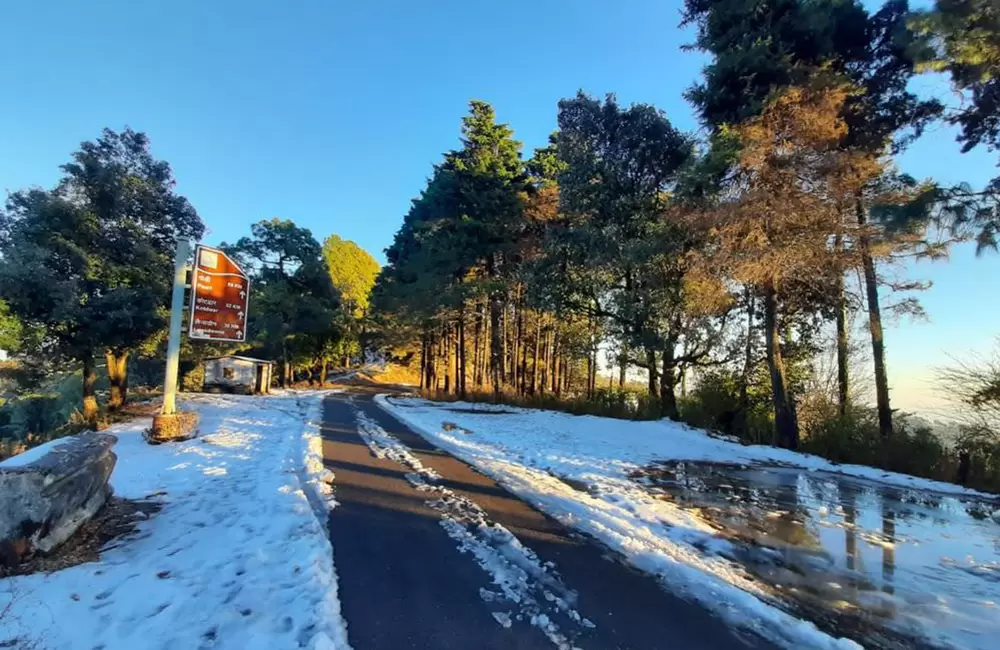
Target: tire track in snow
{"x": 534, "y": 589}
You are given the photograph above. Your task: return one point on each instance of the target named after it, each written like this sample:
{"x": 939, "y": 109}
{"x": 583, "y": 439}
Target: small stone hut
{"x": 234, "y": 374}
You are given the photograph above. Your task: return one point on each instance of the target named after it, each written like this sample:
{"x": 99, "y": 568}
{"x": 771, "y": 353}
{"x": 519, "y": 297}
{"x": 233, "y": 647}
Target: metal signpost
{"x": 174, "y": 335}
{"x": 220, "y": 295}
{"x": 220, "y": 292}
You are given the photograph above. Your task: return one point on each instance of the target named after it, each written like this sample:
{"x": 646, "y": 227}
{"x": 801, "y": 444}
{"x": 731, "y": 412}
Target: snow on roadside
{"x": 237, "y": 558}
{"x": 528, "y": 451}
{"x": 641, "y": 442}
{"x": 532, "y": 588}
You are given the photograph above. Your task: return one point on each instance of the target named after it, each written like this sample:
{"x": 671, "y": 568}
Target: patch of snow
{"x": 236, "y": 559}
{"x": 532, "y": 586}
{"x": 529, "y": 452}
{"x": 636, "y": 443}
{"x": 31, "y": 455}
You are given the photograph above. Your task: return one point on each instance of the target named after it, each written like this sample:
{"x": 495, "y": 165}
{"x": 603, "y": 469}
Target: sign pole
{"x": 174, "y": 337}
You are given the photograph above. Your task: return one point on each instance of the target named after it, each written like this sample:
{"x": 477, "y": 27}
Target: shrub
{"x": 978, "y": 464}
{"x": 850, "y": 438}
{"x": 916, "y": 450}
{"x": 714, "y": 404}
{"x": 39, "y": 412}
{"x": 192, "y": 376}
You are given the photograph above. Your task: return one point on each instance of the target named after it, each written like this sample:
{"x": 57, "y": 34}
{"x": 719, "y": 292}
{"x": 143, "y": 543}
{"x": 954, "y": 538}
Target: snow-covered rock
{"x": 48, "y": 492}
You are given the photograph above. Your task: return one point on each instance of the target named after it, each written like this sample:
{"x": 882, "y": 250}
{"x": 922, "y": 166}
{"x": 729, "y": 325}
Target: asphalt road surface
{"x": 406, "y": 583}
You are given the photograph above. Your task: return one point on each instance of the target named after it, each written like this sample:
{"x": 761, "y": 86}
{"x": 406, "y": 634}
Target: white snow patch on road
{"x": 236, "y": 559}
{"x": 527, "y": 451}
{"x": 523, "y": 579}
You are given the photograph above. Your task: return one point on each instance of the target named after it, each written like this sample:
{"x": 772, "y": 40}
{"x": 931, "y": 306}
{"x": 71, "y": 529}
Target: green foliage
{"x": 715, "y": 404}
{"x": 11, "y": 330}
{"x": 38, "y": 412}
{"x": 981, "y": 446}
{"x": 87, "y": 265}
{"x": 294, "y": 305}
{"x": 352, "y": 270}
{"x": 962, "y": 38}
{"x": 853, "y": 438}
{"x": 461, "y": 234}
{"x": 761, "y": 48}
{"x": 619, "y": 254}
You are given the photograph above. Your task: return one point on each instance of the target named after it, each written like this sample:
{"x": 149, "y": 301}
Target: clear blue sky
{"x": 331, "y": 113}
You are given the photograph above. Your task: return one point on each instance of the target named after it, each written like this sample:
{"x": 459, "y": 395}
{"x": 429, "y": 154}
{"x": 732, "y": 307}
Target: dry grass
{"x": 396, "y": 374}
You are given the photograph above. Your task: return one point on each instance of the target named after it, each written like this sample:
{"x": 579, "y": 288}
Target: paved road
{"x": 405, "y": 584}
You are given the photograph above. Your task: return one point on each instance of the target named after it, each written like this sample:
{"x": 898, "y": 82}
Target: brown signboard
{"x": 220, "y": 295}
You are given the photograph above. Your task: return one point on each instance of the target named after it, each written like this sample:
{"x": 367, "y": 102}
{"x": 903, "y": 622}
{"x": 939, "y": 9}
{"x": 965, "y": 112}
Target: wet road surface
{"x": 888, "y": 566}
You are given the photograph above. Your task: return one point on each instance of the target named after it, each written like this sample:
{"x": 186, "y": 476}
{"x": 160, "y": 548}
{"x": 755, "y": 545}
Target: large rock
{"x": 47, "y": 492}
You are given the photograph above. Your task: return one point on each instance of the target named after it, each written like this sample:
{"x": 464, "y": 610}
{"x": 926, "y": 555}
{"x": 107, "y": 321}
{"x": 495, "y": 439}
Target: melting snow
{"x": 531, "y": 586}
{"x": 581, "y": 471}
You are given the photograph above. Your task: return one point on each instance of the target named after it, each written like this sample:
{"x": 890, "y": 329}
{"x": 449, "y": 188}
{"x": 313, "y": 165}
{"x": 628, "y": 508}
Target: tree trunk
{"x": 322, "y": 371}
{"x": 843, "y": 377}
{"x": 446, "y": 333}
{"x": 89, "y": 395}
{"x": 534, "y": 357}
{"x": 543, "y": 375}
{"x": 461, "y": 350}
{"x": 476, "y": 332}
{"x": 423, "y": 362}
{"x": 523, "y": 379}
{"x": 744, "y": 404}
{"x": 623, "y": 364}
{"x": 505, "y": 348}
{"x": 496, "y": 345}
{"x": 117, "y": 367}
{"x": 431, "y": 361}
{"x": 668, "y": 382}
{"x": 284, "y": 363}
{"x": 786, "y": 425}
{"x": 555, "y": 360}
{"x": 515, "y": 364}
{"x": 875, "y": 325}
{"x": 651, "y": 372}
{"x": 433, "y": 349}
{"x": 590, "y": 390}
{"x": 593, "y": 364}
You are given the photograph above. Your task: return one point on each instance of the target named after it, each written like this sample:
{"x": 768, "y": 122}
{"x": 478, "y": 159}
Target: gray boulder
{"x": 46, "y": 493}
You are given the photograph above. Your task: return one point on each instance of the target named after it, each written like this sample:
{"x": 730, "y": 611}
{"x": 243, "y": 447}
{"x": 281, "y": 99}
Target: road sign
{"x": 220, "y": 295}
